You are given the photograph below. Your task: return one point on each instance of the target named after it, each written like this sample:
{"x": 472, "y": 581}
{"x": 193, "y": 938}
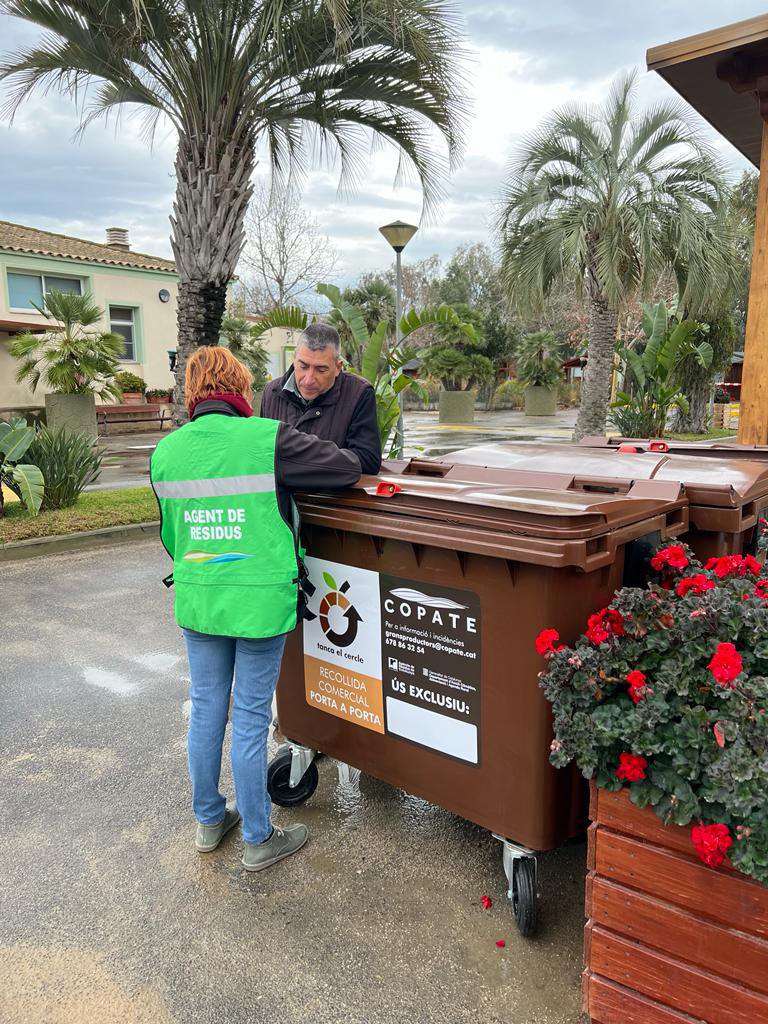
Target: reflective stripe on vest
{"x": 216, "y": 487}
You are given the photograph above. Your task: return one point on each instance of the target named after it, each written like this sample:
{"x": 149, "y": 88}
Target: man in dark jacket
{"x": 317, "y": 397}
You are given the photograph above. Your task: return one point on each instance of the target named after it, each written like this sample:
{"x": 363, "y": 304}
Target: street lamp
{"x": 398, "y": 234}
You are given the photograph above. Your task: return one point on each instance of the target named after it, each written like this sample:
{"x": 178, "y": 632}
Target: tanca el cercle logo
{"x": 339, "y": 619}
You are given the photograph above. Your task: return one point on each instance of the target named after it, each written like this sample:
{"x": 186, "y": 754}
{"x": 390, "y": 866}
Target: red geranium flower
{"x": 638, "y": 685}
{"x": 750, "y": 566}
{"x": 631, "y": 767}
{"x": 674, "y": 556}
{"x": 761, "y": 589}
{"x": 712, "y": 843}
{"x": 546, "y": 640}
{"x": 726, "y": 664}
{"x": 698, "y": 584}
{"x": 604, "y": 624}
{"x": 734, "y": 565}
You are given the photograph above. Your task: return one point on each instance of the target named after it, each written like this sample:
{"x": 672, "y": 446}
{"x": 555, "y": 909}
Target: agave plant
{"x": 68, "y": 462}
{"x": 24, "y": 479}
{"x": 381, "y": 359}
{"x": 650, "y": 366}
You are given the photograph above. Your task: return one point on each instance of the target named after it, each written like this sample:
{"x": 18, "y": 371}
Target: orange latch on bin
{"x": 658, "y": 446}
{"x": 386, "y": 489}
{"x": 628, "y": 448}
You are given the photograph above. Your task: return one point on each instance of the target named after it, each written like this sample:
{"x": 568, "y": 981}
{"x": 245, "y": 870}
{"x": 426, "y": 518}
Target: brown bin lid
{"x": 711, "y": 482}
{"x": 700, "y": 449}
{"x": 540, "y": 517}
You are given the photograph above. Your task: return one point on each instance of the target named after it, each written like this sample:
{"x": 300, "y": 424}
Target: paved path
{"x": 107, "y": 914}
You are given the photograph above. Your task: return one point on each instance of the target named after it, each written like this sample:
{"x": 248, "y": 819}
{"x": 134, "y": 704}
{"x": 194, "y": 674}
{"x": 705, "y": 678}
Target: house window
{"x": 121, "y": 321}
{"x": 25, "y": 291}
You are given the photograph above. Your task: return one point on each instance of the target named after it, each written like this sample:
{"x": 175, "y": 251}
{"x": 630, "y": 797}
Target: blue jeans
{"x": 214, "y": 661}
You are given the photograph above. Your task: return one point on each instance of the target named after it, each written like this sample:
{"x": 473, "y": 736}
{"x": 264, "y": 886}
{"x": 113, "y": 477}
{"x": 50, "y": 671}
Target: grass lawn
{"x": 712, "y": 435}
{"x": 92, "y": 511}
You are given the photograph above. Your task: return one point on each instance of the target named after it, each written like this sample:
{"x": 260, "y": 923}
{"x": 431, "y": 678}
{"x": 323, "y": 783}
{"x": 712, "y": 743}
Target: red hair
{"x": 213, "y": 369}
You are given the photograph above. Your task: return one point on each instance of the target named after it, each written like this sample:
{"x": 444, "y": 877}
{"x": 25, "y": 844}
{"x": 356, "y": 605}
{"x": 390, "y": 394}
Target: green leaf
{"x": 330, "y": 581}
{"x": 372, "y": 352}
{"x": 14, "y": 443}
{"x": 636, "y": 365}
{"x": 658, "y": 329}
{"x": 291, "y": 317}
{"x": 31, "y": 485}
{"x": 704, "y": 354}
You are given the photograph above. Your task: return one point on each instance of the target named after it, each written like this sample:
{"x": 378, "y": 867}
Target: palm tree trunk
{"x": 696, "y": 385}
{"x": 213, "y": 189}
{"x": 598, "y": 373}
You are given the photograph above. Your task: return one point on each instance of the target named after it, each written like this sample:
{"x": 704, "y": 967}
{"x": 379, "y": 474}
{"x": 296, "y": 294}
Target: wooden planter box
{"x": 668, "y": 940}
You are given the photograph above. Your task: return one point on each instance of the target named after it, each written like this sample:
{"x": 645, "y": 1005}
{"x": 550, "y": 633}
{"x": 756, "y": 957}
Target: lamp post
{"x": 398, "y": 234}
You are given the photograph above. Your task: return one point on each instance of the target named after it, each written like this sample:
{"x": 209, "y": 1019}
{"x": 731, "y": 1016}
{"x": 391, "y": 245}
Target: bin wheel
{"x": 278, "y": 775}
{"x": 524, "y": 898}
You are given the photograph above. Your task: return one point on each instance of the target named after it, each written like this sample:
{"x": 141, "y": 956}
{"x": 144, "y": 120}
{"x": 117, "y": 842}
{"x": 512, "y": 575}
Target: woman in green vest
{"x": 223, "y": 482}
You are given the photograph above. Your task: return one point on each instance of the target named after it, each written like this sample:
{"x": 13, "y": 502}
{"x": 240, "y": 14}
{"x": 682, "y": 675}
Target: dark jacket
{"x": 345, "y": 414}
{"x": 302, "y": 462}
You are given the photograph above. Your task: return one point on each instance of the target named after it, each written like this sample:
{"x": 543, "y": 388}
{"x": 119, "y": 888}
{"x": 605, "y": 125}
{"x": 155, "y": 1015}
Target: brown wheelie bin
{"x": 728, "y": 497}
{"x": 417, "y": 664}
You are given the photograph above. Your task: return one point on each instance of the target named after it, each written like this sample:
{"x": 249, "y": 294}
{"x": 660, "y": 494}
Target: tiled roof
{"x": 18, "y": 238}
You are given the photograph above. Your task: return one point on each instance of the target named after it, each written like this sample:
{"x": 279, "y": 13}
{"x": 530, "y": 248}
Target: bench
{"x": 139, "y": 413}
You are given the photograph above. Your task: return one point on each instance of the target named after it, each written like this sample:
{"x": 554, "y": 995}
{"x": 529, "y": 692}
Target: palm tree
{"x": 610, "y": 199}
{"x": 237, "y": 73}
{"x": 68, "y": 358}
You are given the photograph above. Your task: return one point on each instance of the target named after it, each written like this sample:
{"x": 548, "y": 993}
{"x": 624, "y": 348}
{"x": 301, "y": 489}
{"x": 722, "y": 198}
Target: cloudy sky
{"x": 525, "y": 59}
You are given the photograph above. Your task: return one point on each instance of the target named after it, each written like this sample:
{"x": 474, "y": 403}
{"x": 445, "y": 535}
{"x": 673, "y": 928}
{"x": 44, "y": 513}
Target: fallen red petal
{"x": 717, "y": 729}
{"x": 487, "y": 902}
{"x": 500, "y": 943}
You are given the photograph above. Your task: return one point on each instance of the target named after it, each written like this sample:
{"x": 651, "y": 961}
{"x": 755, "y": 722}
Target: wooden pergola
{"x": 723, "y": 74}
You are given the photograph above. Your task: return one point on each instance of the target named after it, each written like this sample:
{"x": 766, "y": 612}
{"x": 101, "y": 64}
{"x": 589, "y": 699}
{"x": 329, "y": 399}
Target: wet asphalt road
{"x": 109, "y": 916}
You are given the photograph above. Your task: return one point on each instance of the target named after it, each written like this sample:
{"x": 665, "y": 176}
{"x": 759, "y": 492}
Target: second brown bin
{"x": 418, "y": 664}
{"x": 728, "y": 496}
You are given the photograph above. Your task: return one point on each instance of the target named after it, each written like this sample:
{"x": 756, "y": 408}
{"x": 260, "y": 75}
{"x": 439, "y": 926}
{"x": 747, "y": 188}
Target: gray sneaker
{"x": 281, "y": 844}
{"x": 209, "y": 836}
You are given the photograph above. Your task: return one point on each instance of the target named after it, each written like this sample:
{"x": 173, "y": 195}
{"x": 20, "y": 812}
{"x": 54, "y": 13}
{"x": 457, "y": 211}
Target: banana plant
{"x": 25, "y": 480}
{"x": 381, "y": 359}
{"x": 651, "y": 365}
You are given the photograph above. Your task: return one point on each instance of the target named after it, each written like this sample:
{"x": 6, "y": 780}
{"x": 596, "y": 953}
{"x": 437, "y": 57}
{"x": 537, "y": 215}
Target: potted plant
{"x": 663, "y": 704}
{"x": 73, "y": 363}
{"x": 159, "y": 396}
{"x": 131, "y": 386}
{"x": 540, "y": 370}
{"x": 456, "y": 359}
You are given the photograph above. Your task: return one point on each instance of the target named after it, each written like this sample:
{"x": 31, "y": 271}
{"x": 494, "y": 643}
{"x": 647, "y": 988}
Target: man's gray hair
{"x": 318, "y": 337}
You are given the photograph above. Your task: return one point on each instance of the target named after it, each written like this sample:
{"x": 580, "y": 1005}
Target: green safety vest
{"x": 235, "y": 559}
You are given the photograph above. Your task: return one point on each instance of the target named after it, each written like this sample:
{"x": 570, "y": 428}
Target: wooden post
{"x": 753, "y": 416}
